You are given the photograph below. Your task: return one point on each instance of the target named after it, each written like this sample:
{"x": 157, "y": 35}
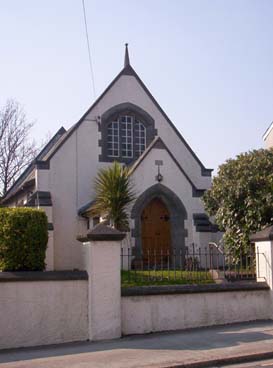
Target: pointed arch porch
{"x": 176, "y": 208}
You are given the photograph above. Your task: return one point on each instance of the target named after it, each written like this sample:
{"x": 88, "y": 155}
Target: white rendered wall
{"x": 127, "y": 89}
{"x": 104, "y": 305}
{"x": 49, "y": 260}
{"x": 264, "y": 258}
{"x": 175, "y": 180}
{"x": 42, "y": 312}
{"x": 144, "y": 314}
{"x": 75, "y": 165}
{"x": 50, "y": 243}
{"x": 72, "y": 171}
{"x": 42, "y": 180}
{"x": 269, "y": 140}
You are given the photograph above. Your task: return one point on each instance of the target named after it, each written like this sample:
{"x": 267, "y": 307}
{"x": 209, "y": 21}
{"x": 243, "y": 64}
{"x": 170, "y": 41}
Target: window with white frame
{"x": 113, "y": 139}
{"x": 140, "y": 138}
{"x": 126, "y": 123}
{"x": 126, "y": 137}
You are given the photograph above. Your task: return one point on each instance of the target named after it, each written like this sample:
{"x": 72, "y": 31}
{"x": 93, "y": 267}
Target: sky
{"x": 209, "y": 64}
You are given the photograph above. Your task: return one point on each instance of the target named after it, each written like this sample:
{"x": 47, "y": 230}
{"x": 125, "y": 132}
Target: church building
{"x": 125, "y": 124}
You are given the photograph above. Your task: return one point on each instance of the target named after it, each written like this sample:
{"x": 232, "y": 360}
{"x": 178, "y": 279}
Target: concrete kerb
{"x": 201, "y": 364}
{"x": 224, "y": 361}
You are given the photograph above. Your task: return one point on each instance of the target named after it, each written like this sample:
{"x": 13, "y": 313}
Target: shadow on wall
{"x": 199, "y": 339}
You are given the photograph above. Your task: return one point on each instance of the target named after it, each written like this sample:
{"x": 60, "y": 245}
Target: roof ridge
{"x": 129, "y": 70}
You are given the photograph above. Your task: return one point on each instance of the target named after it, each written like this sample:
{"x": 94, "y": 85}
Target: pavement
{"x": 196, "y": 348}
{"x": 256, "y": 364}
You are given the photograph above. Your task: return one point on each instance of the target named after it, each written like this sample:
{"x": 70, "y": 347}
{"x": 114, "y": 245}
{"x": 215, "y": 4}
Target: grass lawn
{"x": 158, "y": 277}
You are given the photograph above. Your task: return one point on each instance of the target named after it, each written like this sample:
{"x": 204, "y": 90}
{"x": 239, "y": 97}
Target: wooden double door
{"x": 155, "y": 228}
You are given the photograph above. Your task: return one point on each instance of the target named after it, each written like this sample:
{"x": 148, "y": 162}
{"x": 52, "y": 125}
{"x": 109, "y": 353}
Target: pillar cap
{"x": 263, "y": 235}
{"x": 102, "y": 232}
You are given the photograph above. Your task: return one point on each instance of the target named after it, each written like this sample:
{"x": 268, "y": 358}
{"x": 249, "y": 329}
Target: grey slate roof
{"x": 39, "y": 158}
{"x": 82, "y": 210}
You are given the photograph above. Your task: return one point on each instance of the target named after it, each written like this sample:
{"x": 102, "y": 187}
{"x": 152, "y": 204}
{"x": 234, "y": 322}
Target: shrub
{"x": 23, "y": 239}
{"x": 241, "y": 197}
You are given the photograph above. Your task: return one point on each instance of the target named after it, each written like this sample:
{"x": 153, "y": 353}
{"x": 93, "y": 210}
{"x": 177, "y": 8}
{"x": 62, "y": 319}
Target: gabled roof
{"x": 128, "y": 70}
{"x": 82, "y": 211}
{"x": 56, "y": 142}
{"x": 27, "y": 172}
{"x": 268, "y": 130}
{"x": 158, "y": 143}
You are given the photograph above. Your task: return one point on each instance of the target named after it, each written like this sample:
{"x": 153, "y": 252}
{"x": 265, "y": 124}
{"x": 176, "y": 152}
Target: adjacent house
{"x": 124, "y": 124}
{"x": 268, "y": 136}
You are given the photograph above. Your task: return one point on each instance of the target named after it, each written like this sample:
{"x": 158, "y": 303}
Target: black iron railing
{"x": 190, "y": 266}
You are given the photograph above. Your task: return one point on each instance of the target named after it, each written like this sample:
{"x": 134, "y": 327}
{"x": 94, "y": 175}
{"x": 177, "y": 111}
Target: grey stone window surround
{"x": 112, "y": 114}
{"x": 178, "y": 215}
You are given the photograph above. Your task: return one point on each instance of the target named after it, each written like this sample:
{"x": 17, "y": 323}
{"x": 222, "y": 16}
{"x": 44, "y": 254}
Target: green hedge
{"x": 23, "y": 239}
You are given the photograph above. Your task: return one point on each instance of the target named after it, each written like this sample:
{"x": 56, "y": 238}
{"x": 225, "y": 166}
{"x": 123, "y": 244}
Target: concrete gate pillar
{"x": 103, "y": 252}
{"x": 264, "y": 255}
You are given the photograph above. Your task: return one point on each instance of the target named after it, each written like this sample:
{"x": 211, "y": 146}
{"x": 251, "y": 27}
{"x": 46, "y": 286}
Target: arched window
{"x": 126, "y": 123}
{"x": 113, "y": 139}
{"x": 140, "y": 138}
{"x": 126, "y": 137}
{"x": 126, "y": 131}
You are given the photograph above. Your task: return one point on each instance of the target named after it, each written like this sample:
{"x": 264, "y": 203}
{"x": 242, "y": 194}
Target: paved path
{"x": 193, "y": 348}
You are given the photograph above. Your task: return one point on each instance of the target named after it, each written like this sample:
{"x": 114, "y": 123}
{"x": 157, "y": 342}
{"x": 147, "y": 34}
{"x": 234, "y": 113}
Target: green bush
{"x": 23, "y": 239}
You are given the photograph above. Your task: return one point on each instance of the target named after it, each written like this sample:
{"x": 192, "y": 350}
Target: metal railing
{"x": 189, "y": 266}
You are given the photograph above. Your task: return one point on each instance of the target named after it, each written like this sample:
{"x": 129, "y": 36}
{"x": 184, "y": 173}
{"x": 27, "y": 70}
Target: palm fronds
{"x": 113, "y": 193}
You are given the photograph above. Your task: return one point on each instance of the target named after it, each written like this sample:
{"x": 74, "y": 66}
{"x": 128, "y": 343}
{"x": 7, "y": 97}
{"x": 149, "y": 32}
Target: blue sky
{"x": 209, "y": 64}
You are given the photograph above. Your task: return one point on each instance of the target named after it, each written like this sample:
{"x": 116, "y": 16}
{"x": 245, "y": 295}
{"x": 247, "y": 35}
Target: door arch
{"x": 177, "y": 211}
{"x": 155, "y": 228}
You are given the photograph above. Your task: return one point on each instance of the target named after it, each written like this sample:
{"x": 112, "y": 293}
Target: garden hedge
{"x": 23, "y": 239}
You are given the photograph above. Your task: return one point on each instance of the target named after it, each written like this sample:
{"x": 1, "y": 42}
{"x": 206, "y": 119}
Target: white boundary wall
{"x": 54, "y": 310}
{"x": 104, "y": 304}
{"x": 264, "y": 251}
{"x": 43, "y": 312}
{"x": 152, "y": 313}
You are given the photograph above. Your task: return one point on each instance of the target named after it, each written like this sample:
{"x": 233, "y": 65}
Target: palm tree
{"x": 114, "y": 192}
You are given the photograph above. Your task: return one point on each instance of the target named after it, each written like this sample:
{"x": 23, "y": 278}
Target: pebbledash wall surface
{"x": 39, "y": 308}
{"x": 43, "y": 308}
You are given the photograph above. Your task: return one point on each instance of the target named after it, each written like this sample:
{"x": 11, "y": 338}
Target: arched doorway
{"x": 155, "y": 228}
{"x": 177, "y": 217}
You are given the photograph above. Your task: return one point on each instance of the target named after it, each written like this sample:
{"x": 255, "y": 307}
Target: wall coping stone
{"x": 263, "y": 235}
{"x": 43, "y": 276}
{"x": 193, "y": 289}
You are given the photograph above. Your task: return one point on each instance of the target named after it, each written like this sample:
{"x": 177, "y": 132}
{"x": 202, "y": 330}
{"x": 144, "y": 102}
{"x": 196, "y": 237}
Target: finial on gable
{"x": 126, "y": 58}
